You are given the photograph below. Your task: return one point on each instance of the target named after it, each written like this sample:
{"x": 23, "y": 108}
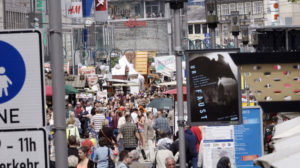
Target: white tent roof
{"x": 119, "y": 69}
{"x": 286, "y": 144}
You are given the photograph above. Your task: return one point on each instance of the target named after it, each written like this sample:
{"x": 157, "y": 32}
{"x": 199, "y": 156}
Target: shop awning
{"x": 172, "y": 83}
{"x": 174, "y": 91}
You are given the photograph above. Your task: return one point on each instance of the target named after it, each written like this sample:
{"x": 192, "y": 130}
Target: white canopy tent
{"x": 134, "y": 76}
{"x": 286, "y": 144}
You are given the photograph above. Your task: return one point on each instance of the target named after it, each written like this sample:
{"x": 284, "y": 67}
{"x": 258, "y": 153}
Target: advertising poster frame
{"x": 191, "y": 114}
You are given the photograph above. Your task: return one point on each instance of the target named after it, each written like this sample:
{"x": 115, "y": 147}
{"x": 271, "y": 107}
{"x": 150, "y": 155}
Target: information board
{"x": 249, "y": 138}
{"x": 23, "y": 148}
{"x": 22, "y": 103}
{"x": 214, "y": 96}
{"x": 217, "y": 143}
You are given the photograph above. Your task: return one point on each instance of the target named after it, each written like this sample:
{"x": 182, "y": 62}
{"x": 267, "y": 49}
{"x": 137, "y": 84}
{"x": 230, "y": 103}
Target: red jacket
{"x": 197, "y": 132}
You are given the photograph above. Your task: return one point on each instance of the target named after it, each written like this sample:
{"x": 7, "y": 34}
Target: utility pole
{"x": 176, "y": 5}
{"x": 56, "y": 55}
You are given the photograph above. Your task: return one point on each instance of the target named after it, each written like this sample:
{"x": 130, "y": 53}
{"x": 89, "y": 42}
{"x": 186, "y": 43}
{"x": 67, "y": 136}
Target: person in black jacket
{"x": 188, "y": 149}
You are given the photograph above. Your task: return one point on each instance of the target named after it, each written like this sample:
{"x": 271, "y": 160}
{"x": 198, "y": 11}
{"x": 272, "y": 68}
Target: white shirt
{"x": 121, "y": 122}
{"x": 134, "y": 117}
{"x": 89, "y": 109}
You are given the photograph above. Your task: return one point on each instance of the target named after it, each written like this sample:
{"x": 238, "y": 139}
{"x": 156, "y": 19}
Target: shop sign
{"x": 74, "y": 10}
{"x": 87, "y": 71}
{"x": 134, "y": 23}
{"x": 92, "y": 79}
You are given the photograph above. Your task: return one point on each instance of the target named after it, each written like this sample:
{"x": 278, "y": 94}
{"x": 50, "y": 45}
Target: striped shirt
{"x": 97, "y": 121}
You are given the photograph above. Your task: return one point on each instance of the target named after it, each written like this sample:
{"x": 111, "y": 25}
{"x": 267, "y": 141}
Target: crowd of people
{"x": 120, "y": 131}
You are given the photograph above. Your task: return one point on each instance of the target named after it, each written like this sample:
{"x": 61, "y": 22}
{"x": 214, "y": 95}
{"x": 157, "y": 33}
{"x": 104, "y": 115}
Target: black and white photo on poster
{"x": 213, "y": 88}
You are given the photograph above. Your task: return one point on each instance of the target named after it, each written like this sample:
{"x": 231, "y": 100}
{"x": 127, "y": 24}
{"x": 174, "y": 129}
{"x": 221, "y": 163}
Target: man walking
{"x": 129, "y": 132}
{"x": 97, "y": 120}
{"x": 161, "y": 124}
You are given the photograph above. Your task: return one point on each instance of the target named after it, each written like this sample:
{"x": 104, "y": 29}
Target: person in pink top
{"x": 141, "y": 125}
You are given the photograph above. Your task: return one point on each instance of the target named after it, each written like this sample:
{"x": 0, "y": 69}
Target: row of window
{"x": 255, "y": 7}
{"x": 197, "y": 28}
{"x": 139, "y": 9}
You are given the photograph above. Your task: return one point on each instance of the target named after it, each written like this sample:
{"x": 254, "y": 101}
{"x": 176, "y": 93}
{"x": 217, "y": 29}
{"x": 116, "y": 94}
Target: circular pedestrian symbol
{"x": 12, "y": 72}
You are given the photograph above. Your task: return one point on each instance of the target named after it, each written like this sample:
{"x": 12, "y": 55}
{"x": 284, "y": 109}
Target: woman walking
{"x": 103, "y": 155}
{"x": 84, "y": 162}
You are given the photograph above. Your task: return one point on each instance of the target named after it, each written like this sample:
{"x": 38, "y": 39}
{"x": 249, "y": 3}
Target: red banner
{"x": 100, "y": 5}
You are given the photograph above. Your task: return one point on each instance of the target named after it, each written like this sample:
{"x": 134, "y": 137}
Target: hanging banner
{"x": 214, "y": 96}
{"x": 165, "y": 64}
{"x": 74, "y": 9}
{"x": 101, "y": 13}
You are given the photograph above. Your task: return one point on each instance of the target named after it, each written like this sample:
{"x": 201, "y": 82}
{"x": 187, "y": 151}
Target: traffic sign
{"x": 24, "y": 148}
{"x": 22, "y": 103}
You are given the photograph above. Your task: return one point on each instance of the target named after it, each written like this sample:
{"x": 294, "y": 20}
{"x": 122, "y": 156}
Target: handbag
{"x": 111, "y": 163}
{"x": 111, "y": 142}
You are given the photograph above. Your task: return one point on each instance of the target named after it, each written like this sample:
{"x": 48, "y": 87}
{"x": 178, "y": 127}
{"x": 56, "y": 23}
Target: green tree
{"x": 293, "y": 1}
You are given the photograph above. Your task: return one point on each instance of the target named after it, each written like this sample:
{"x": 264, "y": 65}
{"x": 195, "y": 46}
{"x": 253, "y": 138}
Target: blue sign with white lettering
{"x": 12, "y": 72}
{"x": 248, "y": 138}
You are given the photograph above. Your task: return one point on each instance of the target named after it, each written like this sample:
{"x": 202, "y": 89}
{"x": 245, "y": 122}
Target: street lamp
{"x": 211, "y": 19}
{"x": 235, "y": 29}
{"x": 245, "y": 34}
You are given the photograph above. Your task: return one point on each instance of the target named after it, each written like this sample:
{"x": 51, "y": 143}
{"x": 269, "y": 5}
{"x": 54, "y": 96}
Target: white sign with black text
{"x": 23, "y": 148}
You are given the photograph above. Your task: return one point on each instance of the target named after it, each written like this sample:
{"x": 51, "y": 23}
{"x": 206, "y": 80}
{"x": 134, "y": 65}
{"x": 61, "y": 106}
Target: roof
{"x": 71, "y": 80}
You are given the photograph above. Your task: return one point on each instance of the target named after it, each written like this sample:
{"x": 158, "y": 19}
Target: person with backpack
{"x": 72, "y": 130}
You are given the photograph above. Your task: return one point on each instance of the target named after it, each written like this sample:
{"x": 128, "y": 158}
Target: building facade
{"x": 281, "y": 13}
{"x": 198, "y": 32}
{"x": 250, "y": 14}
{"x": 143, "y": 25}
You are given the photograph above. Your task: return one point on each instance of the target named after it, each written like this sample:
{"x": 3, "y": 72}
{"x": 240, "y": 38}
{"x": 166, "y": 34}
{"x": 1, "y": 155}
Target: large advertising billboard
{"x": 213, "y": 81}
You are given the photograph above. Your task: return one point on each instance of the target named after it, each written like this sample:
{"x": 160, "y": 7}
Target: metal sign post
{"x": 176, "y": 5}
{"x": 58, "y": 83}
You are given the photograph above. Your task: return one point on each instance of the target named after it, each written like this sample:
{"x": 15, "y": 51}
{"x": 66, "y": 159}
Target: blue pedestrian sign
{"x": 22, "y": 102}
{"x": 12, "y": 72}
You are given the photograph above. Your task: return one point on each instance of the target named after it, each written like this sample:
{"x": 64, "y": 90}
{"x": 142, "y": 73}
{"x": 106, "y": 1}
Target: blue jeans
{"x": 195, "y": 161}
{"x": 121, "y": 144}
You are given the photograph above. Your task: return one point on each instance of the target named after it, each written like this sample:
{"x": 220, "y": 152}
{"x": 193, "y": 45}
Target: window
{"x": 191, "y": 30}
{"x": 257, "y": 7}
{"x": 240, "y": 8}
{"x": 217, "y": 32}
{"x": 219, "y": 10}
{"x": 248, "y": 8}
{"x": 125, "y": 10}
{"x": 231, "y": 7}
{"x": 225, "y": 10}
{"x": 197, "y": 28}
{"x": 204, "y": 29}
{"x": 154, "y": 9}
{"x": 225, "y": 30}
